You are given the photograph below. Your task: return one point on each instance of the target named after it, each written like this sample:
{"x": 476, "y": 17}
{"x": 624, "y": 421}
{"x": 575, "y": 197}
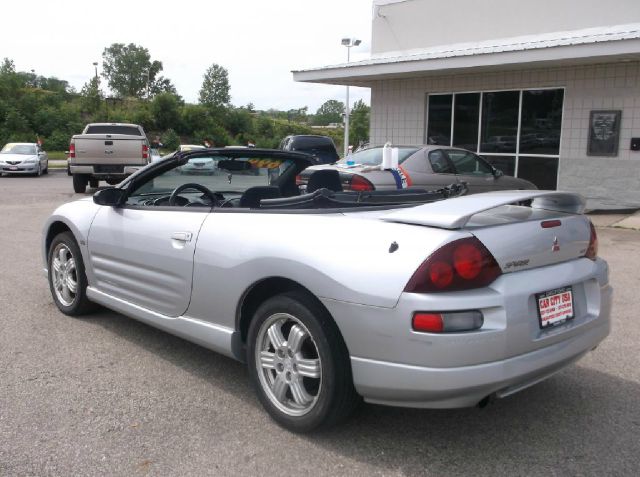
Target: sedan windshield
{"x": 373, "y": 156}
{"x": 18, "y": 149}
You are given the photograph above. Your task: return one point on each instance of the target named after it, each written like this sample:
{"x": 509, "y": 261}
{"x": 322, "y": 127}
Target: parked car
{"x": 426, "y": 302}
{"x": 320, "y": 146}
{"x": 23, "y": 158}
{"x": 420, "y": 166}
{"x": 106, "y": 151}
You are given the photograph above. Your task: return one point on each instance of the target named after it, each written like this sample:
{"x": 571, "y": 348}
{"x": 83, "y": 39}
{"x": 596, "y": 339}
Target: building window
{"x": 465, "y": 122}
{"x": 503, "y": 127}
{"x": 439, "y": 129}
{"x": 541, "y": 120}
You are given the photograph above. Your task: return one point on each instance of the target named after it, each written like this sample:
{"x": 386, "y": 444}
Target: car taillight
{"x": 359, "y": 183}
{"x": 592, "y": 250}
{"x": 459, "y": 265}
{"x": 145, "y": 151}
{"x": 72, "y": 149}
{"x": 300, "y": 181}
{"x": 449, "y": 321}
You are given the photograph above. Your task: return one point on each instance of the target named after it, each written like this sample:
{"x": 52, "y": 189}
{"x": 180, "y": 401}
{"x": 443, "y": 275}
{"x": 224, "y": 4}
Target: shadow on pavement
{"x": 563, "y": 425}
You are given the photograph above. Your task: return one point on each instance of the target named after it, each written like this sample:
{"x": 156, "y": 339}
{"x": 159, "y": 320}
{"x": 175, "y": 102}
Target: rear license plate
{"x": 109, "y": 169}
{"x": 555, "y": 306}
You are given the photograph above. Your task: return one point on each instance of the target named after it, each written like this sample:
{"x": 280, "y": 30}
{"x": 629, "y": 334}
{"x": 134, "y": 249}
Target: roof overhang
{"x": 588, "y": 46}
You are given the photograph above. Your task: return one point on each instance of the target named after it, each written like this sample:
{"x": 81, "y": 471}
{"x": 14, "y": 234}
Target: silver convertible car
{"x": 419, "y": 298}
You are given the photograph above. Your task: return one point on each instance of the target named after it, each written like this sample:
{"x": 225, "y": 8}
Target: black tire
{"x": 80, "y": 183}
{"x": 80, "y": 304}
{"x": 335, "y": 397}
{"x": 94, "y": 183}
{"x": 46, "y": 171}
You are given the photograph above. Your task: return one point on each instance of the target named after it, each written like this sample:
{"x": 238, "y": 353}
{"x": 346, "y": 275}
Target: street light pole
{"x": 348, "y": 42}
{"x": 95, "y": 65}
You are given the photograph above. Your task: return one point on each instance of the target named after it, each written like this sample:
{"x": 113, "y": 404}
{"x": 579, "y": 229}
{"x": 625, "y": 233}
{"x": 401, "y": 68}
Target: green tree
{"x": 129, "y": 71}
{"x": 91, "y": 95}
{"x": 215, "y": 87}
{"x": 359, "y": 123}
{"x": 7, "y": 67}
{"x": 330, "y": 112}
{"x": 165, "y": 109}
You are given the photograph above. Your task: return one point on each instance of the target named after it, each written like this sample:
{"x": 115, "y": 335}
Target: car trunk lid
{"x": 551, "y": 230}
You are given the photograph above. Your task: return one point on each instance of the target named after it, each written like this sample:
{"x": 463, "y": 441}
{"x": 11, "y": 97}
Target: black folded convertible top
{"x": 327, "y": 199}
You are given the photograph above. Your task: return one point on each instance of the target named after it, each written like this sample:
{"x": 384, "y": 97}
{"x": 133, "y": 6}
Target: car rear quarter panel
{"x": 335, "y": 257}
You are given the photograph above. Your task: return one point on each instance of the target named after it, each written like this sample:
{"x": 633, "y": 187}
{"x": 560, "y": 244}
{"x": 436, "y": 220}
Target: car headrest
{"x": 325, "y": 179}
{"x": 252, "y": 196}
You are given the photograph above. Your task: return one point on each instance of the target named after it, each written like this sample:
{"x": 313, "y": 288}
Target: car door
{"x": 145, "y": 256}
{"x": 473, "y": 170}
{"x": 430, "y": 169}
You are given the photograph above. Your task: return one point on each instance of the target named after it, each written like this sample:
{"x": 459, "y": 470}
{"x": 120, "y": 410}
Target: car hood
{"x": 17, "y": 157}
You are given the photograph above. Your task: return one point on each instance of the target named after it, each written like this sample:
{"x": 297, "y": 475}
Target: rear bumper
{"x": 394, "y": 365}
{"x": 415, "y": 386}
{"x": 91, "y": 170}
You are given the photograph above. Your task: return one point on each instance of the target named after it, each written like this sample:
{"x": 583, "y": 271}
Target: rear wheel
{"x": 67, "y": 278}
{"x": 80, "y": 183}
{"x": 299, "y": 364}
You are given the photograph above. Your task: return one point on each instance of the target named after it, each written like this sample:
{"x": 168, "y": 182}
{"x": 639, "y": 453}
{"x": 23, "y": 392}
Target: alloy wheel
{"x": 288, "y": 364}
{"x": 64, "y": 274}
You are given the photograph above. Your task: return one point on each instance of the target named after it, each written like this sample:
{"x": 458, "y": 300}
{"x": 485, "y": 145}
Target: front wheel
{"x": 67, "y": 278}
{"x": 299, "y": 364}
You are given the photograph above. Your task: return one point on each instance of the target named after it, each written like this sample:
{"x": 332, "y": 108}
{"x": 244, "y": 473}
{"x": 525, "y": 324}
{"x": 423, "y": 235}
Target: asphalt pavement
{"x": 106, "y": 395}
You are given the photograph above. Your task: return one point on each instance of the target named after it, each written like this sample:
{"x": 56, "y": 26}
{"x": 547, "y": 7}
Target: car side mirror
{"x": 497, "y": 173}
{"x": 111, "y": 196}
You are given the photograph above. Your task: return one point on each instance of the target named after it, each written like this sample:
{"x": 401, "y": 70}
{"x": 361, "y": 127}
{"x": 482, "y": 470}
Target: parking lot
{"x": 108, "y": 395}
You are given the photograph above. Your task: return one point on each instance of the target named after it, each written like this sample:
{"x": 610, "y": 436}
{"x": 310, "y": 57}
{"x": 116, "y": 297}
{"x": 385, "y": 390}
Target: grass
{"x": 56, "y": 155}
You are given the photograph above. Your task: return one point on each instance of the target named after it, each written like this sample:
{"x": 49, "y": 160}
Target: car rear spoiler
{"x": 455, "y": 213}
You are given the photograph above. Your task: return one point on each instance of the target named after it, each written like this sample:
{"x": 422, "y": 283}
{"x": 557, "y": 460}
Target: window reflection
{"x": 499, "y": 121}
{"x": 465, "y": 121}
{"x": 439, "y": 129}
{"x": 541, "y": 120}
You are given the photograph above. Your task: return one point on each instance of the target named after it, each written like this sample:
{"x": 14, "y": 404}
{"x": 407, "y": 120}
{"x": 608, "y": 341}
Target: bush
{"x": 171, "y": 140}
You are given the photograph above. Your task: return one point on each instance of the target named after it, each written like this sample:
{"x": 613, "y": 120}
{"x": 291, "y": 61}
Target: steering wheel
{"x": 192, "y": 185}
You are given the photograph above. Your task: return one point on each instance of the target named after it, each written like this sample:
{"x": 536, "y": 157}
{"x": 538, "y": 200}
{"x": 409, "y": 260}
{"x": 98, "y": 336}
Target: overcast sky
{"x": 258, "y": 41}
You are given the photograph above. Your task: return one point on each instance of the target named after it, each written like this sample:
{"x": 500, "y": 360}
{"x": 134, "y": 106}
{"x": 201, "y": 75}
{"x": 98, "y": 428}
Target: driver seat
{"x": 253, "y": 195}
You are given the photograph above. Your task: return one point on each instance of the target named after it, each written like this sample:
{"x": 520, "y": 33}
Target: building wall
{"x": 414, "y": 24}
{"x": 398, "y": 115}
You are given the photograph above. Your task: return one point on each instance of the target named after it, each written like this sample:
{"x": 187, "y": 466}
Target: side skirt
{"x": 214, "y": 337}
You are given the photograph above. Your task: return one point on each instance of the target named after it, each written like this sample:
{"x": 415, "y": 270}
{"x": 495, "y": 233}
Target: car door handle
{"x": 182, "y": 236}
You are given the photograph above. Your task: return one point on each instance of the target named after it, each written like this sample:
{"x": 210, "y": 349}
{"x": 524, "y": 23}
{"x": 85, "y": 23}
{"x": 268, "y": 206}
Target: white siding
{"x": 416, "y": 24}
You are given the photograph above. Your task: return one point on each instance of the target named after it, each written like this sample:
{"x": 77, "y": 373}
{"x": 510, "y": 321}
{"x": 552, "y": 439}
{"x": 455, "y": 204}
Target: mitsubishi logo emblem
{"x": 556, "y": 245}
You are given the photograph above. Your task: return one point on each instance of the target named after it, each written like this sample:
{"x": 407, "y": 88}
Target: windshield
{"x": 373, "y": 156}
{"x": 218, "y": 174}
{"x": 18, "y": 149}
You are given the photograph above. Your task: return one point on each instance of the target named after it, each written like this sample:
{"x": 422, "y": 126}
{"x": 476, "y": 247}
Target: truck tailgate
{"x": 117, "y": 149}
